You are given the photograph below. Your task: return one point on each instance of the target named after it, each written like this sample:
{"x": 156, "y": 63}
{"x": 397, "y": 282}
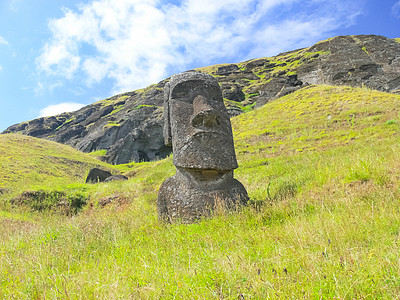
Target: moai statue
{"x": 197, "y": 125}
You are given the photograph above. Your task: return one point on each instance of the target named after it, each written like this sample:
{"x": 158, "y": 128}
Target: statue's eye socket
{"x": 182, "y": 92}
{"x": 179, "y": 95}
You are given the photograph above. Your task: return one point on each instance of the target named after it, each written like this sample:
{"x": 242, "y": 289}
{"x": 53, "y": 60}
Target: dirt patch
{"x": 116, "y": 200}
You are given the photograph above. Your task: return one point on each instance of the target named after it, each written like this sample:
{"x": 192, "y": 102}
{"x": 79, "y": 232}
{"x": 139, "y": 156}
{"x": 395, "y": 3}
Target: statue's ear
{"x": 167, "y": 121}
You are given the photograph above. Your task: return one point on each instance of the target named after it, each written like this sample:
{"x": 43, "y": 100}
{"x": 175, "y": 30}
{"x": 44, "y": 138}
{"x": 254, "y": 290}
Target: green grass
{"x": 112, "y": 100}
{"x": 26, "y": 161}
{"x": 98, "y": 153}
{"x": 111, "y": 124}
{"x": 321, "y": 168}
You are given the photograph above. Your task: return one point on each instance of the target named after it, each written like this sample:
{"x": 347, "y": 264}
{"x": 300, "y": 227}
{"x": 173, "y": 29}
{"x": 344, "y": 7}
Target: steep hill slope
{"x": 322, "y": 169}
{"x": 26, "y": 161}
{"x": 310, "y": 121}
{"x": 129, "y": 126}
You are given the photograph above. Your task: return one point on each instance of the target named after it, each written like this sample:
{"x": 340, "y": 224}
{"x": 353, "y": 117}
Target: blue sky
{"x": 60, "y": 55}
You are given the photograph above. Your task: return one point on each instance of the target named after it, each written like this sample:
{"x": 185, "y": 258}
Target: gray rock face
{"x": 129, "y": 126}
{"x": 145, "y": 143}
{"x": 198, "y": 127}
{"x": 373, "y": 61}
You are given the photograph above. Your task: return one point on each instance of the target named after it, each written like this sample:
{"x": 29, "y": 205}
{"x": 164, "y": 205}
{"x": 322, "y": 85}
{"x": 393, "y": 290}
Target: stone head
{"x": 197, "y": 123}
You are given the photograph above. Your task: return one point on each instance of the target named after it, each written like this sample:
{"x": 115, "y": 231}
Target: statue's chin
{"x": 207, "y": 150}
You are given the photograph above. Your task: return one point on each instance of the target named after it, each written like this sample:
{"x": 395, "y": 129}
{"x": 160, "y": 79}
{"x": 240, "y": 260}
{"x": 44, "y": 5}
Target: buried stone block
{"x": 97, "y": 175}
{"x": 197, "y": 125}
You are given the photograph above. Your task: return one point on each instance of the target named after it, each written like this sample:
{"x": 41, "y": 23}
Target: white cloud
{"x": 3, "y": 41}
{"x": 56, "y": 109}
{"x": 1, "y": 68}
{"x": 13, "y": 5}
{"x": 396, "y": 9}
{"x": 50, "y": 86}
{"x": 138, "y": 42}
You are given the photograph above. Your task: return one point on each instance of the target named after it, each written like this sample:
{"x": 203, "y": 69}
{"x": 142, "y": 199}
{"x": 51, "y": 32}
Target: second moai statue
{"x": 197, "y": 125}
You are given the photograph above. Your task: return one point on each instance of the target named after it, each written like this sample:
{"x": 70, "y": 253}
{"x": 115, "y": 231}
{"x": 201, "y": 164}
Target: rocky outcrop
{"x": 129, "y": 126}
{"x": 372, "y": 61}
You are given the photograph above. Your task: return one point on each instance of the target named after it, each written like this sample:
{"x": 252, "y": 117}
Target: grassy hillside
{"x": 26, "y": 161}
{"x": 321, "y": 168}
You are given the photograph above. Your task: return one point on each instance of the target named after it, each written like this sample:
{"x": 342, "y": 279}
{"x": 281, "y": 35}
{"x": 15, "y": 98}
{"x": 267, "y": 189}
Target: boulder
{"x": 97, "y": 175}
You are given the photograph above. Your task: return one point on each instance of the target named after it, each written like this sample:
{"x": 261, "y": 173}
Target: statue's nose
{"x": 203, "y": 114}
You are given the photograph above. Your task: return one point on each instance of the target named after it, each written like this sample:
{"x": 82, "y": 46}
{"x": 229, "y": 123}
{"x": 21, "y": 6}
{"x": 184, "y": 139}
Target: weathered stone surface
{"x": 201, "y": 131}
{"x": 115, "y": 178}
{"x": 368, "y": 60}
{"x": 145, "y": 143}
{"x": 129, "y": 126}
{"x": 227, "y": 69}
{"x": 192, "y": 194}
{"x": 97, "y": 175}
{"x": 198, "y": 127}
{"x": 232, "y": 92}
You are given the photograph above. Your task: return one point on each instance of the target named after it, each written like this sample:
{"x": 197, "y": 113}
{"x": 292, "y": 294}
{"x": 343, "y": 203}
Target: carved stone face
{"x": 198, "y": 123}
